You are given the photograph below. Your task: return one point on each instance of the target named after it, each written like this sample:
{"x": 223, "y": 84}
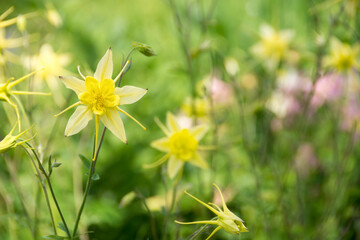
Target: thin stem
{"x": 89, "y": 180}
{"x": 47, "y": 178}
{"x": 38, "y": 173}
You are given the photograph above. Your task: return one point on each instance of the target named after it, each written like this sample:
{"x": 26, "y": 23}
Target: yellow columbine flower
{"x": 274, "y": 45}
{"x": 10, "y": 141}
{"x": 6, "y": 93}
{"x": 53, "y": 65}
{"x": 343, "y": 57}
{"x": 225, "y": 218}
{"x": 180, "y": 145}
{"x": 98, "y": 95}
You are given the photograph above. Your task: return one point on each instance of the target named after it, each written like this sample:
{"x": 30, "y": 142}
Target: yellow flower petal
{"x": 161, "y": 144}
{"x": 104, "y": 68}
{"x": 129, "y": 94}
{"x": 171, "y": 123}
{"x": 107, "y": 86}
{"x": 199, "y": 131}
{"x": 174, "y": 166}
{"x": 73, "y": 83}
{"x": 91, "y": 84}
{"x": 114, "y": 123}
{"x": 78, "y": 120}
{"x": 199, "y": 161}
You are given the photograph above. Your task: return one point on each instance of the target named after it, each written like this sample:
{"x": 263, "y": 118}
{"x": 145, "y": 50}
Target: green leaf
{"x": 95, "y": 177}
{"x": 54, "y": 237}
{"x": 61, "y": 227}
{"x": 55, "y": 165}
{"x": 144, "y": 49}
{"x": 85, "y": 161}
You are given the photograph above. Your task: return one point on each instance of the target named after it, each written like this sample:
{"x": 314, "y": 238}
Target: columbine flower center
{"x": 183, "y": 145}
{"x": 99, "y": 96}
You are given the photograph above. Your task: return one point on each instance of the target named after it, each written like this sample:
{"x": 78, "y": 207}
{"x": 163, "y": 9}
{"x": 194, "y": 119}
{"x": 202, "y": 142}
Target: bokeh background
{"x": 287, "y": 164}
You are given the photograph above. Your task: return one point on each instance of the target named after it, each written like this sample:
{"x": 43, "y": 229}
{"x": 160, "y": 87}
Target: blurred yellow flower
{"x": 53, "y": 65}
{"x": 225, "y": 218}
{"x": 98, "y": 95}
{"x": 201, "y": 105}
{"x": 342, "y": 57}
{"x": 274, "y": 45}
{"x": 6, "y": 93}
{"x": 10, "y": 141}
{"x": 180, "y": 145}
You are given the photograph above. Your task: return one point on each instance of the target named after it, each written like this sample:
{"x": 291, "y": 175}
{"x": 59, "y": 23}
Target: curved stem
{"x": 47, "y": 178}
{"x": 44, "y": 189}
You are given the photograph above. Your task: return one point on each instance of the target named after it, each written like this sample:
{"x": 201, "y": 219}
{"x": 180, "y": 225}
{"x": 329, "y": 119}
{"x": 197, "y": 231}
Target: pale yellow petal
{"x": 162, "y": 144}
{"x": 104, "y": 68}
{"x": 78, "y": 120}
{"x": 114, "y": 123}
{"x": 174, "y": 166}
{"x": 171, "y": 123}
{"x": 73, "y": 83}
{"x": 199, "y": 131}
{"x": 199, "y": 161}
{"x": 129, "y": 94}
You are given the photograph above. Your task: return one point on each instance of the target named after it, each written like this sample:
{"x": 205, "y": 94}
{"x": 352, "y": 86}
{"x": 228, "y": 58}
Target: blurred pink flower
{"x": 328, "y": 88}
{"x": 221, "y": 92}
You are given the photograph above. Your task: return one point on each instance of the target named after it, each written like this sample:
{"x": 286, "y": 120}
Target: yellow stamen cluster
{"x": 183, "y": 145}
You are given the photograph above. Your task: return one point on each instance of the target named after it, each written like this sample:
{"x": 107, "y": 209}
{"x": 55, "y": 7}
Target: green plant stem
{"x": 38, "y": 173}
{"x": 47, "y": 178}
{"x": 88, "y": 183}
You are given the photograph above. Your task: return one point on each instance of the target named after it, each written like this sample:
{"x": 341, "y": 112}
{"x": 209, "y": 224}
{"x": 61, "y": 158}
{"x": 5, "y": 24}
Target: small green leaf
{"x": 49, "y": 164}
{"x": 95, "y": 177}
{"x": 144, "y": 49}
{"x": 61, "y": 227}
{"x": 55, "y": 165}
{"x": 85, "y": 161}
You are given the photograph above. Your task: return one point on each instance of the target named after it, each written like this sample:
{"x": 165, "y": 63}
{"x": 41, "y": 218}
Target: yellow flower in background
{"x": 342, "y": 57}
{"x": 7, "y": 93}
{"x": 180, "y": 146}
{"x": 53, "y": 65}
{"x": 98, "y": 96}
{"x": 201, "y": 105}
{"x": 274, "y": 46}
{"x": 225, "y": 218}
{"x": 10, "y": 141}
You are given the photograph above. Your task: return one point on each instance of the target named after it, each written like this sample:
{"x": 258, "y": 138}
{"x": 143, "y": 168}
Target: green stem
{"x": 44, "y": 189}
{"x": 47, "y": 178}
{"x": 84, "y": 198}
